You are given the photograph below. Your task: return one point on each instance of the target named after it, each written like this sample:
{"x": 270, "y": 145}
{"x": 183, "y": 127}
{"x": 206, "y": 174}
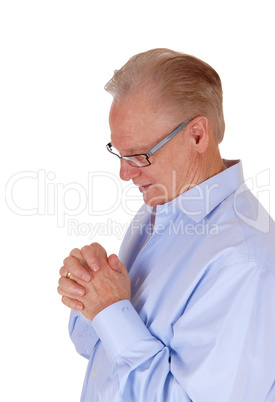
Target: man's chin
{"x": 153, "y": 201}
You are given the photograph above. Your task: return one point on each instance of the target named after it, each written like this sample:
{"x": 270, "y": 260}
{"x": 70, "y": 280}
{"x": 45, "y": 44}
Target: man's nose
{"x": 128, "y": 172}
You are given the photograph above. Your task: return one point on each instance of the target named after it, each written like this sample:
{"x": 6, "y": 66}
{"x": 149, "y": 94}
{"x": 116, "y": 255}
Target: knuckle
{"x": 66, "y": 260}
{"x": 95, "y": 244}
{"x": 75, "y": 252}
{"x": 80, "y": 271}
{"x": 64, "y": 300}
{"x": 70, "y": 263}
{"x": 71, "y": 286}
{"x": 88, "y": 253}
{"x": 85, "y": 249}
{"x": 98, "y": 249}
{"x": 62, "y": 271}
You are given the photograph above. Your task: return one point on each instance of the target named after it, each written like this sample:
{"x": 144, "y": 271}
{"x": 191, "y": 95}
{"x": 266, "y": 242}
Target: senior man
{"x": 186, "y": 312}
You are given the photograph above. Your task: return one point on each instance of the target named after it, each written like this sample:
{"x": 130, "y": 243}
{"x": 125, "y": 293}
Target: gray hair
{"x": 179, "y": 80}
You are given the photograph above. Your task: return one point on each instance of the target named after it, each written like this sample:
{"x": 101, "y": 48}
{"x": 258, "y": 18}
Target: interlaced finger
{"x": 77, "y": 271}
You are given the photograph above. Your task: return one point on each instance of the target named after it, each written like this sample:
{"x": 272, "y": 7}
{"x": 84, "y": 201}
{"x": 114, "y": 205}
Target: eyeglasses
{"x": 142, "y": 160}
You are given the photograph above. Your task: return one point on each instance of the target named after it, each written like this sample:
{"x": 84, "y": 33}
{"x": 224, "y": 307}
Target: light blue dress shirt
{"x": 201, "y": 322}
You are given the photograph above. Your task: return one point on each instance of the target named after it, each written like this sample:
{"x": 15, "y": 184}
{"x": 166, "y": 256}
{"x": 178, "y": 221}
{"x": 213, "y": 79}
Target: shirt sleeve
{"x": 220, "y": 349}
{"x": 82, "y": 334}
{"x": 141, "y": 361}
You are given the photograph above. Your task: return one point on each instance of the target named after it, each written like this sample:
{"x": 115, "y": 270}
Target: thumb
{"x": 115, "y": 263}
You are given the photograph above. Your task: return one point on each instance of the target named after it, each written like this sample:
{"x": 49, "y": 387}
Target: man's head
{"x": 154, "y": 92}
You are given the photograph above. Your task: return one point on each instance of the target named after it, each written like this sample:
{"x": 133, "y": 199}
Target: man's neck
{"x": 208, "y": 166}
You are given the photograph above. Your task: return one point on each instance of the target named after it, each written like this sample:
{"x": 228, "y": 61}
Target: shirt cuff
{"x": 119, "y": 326}
{"x": 86, "y": 320}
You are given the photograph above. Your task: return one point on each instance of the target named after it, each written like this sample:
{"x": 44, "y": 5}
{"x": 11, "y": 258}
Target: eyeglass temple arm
{"x": 166, "y": 139}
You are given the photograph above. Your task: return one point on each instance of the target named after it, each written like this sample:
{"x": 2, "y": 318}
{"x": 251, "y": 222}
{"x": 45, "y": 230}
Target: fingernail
{"x": 86, "y": 277}
{"x": 95, "y": 267}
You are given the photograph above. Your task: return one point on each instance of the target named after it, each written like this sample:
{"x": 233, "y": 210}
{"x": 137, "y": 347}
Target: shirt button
{"x": 94, "y": 373}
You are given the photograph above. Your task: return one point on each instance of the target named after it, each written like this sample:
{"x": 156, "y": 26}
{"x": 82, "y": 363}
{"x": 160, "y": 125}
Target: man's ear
{"x": 199, "y": 130}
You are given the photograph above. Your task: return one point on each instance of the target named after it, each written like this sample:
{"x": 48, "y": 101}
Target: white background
{"x": 56, "y": 57}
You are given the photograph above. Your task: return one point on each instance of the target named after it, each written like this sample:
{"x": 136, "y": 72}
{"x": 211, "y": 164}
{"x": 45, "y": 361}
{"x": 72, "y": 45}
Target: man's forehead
{"x": 128, "y": 144}
{"x": 136, "y": 127}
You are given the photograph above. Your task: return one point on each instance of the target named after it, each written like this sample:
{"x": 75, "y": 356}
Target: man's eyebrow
{"x": 132, "y": 151}
{"x": 136, "y": 150}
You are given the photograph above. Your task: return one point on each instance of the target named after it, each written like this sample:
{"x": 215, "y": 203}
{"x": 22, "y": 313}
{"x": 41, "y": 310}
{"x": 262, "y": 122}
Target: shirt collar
{"x": 200, "y": 200}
